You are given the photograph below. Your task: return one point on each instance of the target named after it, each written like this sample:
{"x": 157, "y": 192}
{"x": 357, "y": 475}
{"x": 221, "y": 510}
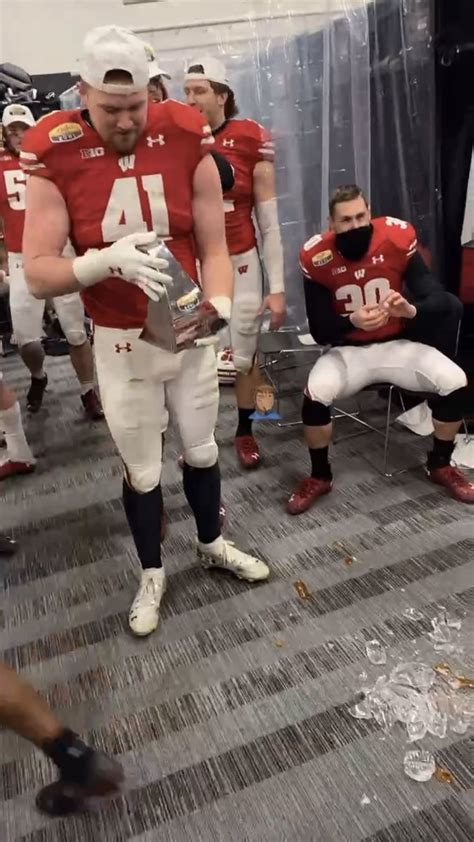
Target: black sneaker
{"x": 34, "y": 398}
{"x": 8, "y": 545}
{"x": 101, "y": 776}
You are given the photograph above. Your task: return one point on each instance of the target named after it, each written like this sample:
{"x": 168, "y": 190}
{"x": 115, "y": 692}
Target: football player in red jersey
{"x": 26, "y": 310}
{"x": 370, "y": 296}
{"x": 115, "y": 176}
{"x": 248, "y": 147}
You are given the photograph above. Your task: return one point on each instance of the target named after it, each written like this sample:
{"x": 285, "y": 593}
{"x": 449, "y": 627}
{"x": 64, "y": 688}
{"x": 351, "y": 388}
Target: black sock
{"x": 71, "y": 756}
{"x": 202, "y": 487}
{"x": 320, "y": 467}
{"x": 245, "y": 425}
{"x": 144, "y": 512}
{"x": 441, "y": 454}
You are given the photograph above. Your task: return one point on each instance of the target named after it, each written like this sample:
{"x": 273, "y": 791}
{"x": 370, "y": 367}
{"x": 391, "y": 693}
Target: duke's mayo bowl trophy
{"x": 181, "y": 316}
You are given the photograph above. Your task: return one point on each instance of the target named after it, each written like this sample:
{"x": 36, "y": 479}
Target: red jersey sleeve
{"x": 261, "y": 144}
{"x": 37, "y": 145}
{"x": 192, "y": 121}
{"x": 309, "y": 256}
{"x": 403, "y": 235}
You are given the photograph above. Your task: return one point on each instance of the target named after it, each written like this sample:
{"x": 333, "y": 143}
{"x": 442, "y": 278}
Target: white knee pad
{"x": 202, "y": 455}
{"x": 449, "y": 378}
{"x": 70, "y": 312}
{"x": 143, "y": 479}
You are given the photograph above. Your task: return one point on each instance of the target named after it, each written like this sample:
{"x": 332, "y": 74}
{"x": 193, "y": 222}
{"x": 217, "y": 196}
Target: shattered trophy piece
{"x": 375, "y": 652}
{"x": 361, "y": 710}
{"x": 413, "y": 614}
{"x": 182, "y": 315}
{"x": 302, "y": 590}
{"x": 413, "y": 674}
{"x": 419, "y": 765}
{"x": 444, "y": 776}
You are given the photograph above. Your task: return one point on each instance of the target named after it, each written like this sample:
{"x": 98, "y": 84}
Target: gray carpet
{"x": 232, "y": 720}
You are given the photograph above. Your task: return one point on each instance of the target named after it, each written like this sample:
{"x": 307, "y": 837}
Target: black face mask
{"x": 355, "y": 243}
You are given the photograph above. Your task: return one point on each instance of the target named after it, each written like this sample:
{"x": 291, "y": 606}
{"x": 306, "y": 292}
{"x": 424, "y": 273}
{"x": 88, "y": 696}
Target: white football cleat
{"x": 224, "y": 554}
{"x": 144, "y": 612}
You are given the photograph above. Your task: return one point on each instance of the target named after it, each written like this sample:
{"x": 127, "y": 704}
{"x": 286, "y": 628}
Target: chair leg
{"x": 467, "y": 436}
{"x": 388, "y": 420}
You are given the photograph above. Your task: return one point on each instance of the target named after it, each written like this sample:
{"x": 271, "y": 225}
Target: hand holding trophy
{"x": 182, "y": 318}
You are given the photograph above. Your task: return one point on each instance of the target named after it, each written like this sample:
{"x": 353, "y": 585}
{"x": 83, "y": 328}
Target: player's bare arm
{"x": 44, "y": 239}
{"x": 266, "y": 209}
{"x": 209, "y": 230}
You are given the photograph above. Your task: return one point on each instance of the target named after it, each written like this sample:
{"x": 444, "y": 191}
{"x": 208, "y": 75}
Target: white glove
{"x": 123, "y": 260}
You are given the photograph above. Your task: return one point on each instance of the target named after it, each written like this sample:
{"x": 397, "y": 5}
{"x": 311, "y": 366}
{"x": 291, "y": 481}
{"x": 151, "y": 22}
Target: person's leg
{"x": 19, "y": 458}
{"x": 129, "y": 372}
{"x": 339, "y": 373}
{"x": 83, "y": 771}
{"x": 70, "y": 312}
{"x": 415, "y": 366}
{"x": 193, "y": 401}
{"x": 244, "y": 333}
{"x": 27, "y": 315}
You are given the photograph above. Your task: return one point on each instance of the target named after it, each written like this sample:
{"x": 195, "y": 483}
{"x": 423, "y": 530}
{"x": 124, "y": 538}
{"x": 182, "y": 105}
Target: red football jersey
{"x": 12, "y": 200}
{"x": 109, "y": 195}
{"x": 354, "y": 283}
{"x": 244, "y": 143}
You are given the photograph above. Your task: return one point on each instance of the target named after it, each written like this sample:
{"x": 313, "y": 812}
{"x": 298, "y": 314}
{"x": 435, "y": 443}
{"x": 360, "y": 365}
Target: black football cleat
{"x": 35, "y": 395}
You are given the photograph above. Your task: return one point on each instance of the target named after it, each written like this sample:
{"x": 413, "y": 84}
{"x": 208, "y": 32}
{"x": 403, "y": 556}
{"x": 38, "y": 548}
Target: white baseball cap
{"x": 109, "y": 48}
{"x": 154, "y": 68}
{"x": 213, "y": 71}
{"x": 17, "y": 113}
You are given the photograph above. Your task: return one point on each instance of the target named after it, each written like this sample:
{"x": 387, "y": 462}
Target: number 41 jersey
{"x": 354, "y": 283}
{"x": 109, "y": 195}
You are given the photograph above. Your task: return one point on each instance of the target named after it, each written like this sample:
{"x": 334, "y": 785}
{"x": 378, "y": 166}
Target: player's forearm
{"x": 48, "y": 277}
{"x": 272, "y": 247}
{"x": 217, "y": 276}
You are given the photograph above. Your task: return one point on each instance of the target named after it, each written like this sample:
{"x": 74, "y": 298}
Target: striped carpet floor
{"x": 232, "y": 720}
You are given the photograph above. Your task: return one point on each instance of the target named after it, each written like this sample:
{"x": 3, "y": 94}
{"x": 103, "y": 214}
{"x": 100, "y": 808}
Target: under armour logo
{"x": 127, "y": 347}
{"x": 378, "y": 258}
{"x": 242, "y": 270}
{"x": 229, "y": 143}
{"x": 127, "y": 162}
{"x": 115, "y": 270}
{"x": 150, "y": 141}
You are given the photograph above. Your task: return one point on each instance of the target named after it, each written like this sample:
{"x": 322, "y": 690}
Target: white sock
{"x": 215, "y": 547}
{"x": 86, "y": 387}
{"x": 18, "y": 449}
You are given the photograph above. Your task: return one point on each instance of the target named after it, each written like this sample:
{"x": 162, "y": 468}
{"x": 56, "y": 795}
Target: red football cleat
{"x": 247, "y": 451}
{"x": 92, "y": 406}
{"x": 12, "y": 469}
{"x": 306, "y": 494}
{"x": 456, "y": 484}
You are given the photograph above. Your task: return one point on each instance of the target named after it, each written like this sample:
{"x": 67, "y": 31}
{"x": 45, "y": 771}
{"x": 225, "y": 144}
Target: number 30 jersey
{"x": 353, "y": 283}
{"x": 12, "y": 200}
{"x": 109, "y": 195}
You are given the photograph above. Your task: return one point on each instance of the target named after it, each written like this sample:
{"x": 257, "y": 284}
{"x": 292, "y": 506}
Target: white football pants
{"x": 345, "y": 371}
{"x": 139, "y": 384}
{"x": 27, "y": 311}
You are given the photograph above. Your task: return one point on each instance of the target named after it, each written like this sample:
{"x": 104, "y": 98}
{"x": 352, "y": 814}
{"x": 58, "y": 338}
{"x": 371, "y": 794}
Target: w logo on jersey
{"x": 127, "y": 163}
{"x": 242, "y": 270}
{"x": 360, "y": 274}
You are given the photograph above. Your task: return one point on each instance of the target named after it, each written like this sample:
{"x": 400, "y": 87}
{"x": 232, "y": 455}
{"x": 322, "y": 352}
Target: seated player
{"x": 370, "y": 296}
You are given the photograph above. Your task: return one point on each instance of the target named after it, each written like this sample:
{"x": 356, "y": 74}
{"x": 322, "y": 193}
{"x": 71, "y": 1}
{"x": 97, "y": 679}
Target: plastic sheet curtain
{"x": 304, "y": 74}
{"x": 403, "y": 96}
